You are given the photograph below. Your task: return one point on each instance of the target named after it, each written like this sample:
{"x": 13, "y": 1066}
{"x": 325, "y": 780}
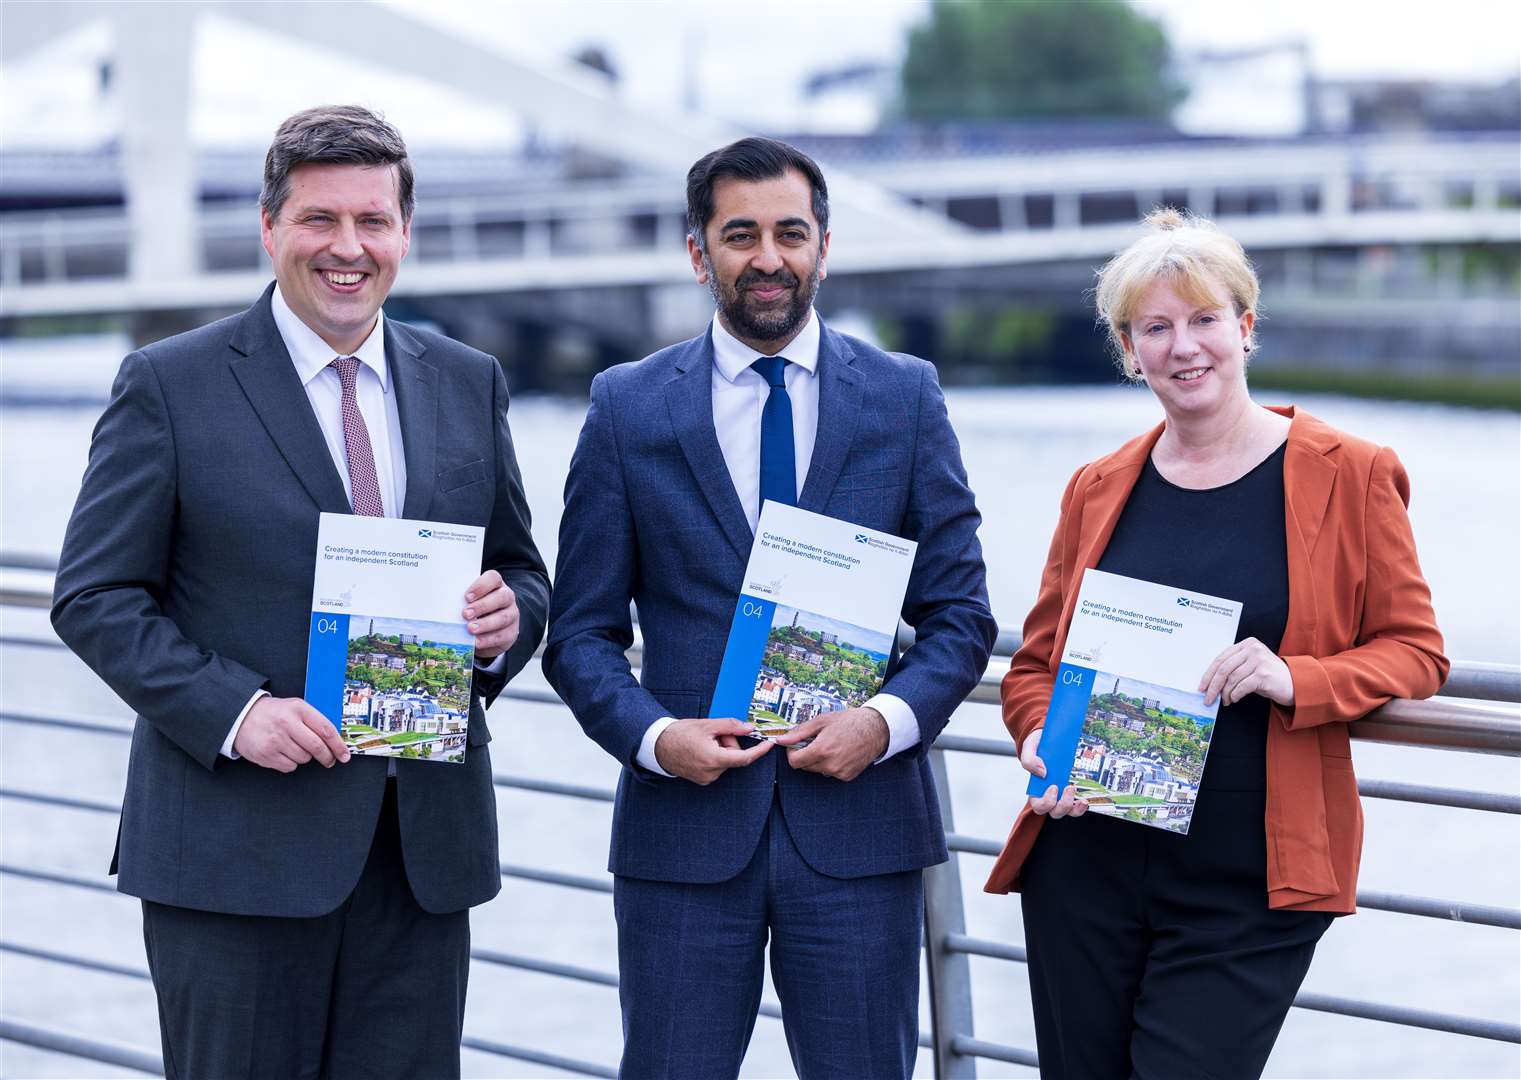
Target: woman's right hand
{"x": 1068, "y": 804}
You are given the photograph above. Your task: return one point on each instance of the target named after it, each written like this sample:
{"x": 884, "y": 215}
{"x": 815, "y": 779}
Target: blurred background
{"x": 984, "y": 159}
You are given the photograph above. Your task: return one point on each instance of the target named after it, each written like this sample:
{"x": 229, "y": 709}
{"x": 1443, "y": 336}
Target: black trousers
{"x": 1155, "y": 956}
{"x": 374, "y": 989}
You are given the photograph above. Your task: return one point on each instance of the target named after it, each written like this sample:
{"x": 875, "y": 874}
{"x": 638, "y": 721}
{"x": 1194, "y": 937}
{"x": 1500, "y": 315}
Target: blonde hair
{"x": 1191, "y": 253}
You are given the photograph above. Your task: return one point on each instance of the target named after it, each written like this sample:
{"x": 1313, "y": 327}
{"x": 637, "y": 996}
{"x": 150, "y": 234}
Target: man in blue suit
{"x": 719, "y": 842}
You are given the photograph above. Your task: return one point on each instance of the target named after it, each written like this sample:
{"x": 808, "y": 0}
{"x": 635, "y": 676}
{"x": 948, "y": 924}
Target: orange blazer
{"x": 1360, "y": 631}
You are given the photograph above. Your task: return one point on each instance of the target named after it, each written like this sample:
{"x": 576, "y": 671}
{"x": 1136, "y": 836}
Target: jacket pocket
{"x": 868, "y": 480}
{"x": 463, "y": 476}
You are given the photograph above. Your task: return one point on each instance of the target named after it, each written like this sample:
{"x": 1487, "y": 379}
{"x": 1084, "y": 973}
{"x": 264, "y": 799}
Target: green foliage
{"x": 1052, "y": 58}
{"x": 1447, "y": 388}
{"x": 1000, "y": 337}
{"x": 853, "y": 674}
{"x": 447, "y": 679}
{"x": 1179, "y": 741}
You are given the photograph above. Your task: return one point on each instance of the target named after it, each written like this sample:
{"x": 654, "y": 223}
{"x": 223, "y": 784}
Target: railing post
{"x": 950, "y": 975}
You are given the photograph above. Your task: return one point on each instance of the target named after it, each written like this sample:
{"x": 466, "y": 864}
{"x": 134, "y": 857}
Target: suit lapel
{"x": 689, "y": 397}
{"x": 416, "y": 386}
{"x": 1309, "y": 475}
{"x": 841, "y": 387}
{"x": 264, "y": 370}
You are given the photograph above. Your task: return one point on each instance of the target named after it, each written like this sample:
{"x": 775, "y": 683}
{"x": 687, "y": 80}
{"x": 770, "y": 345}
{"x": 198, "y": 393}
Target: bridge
{"x": 1367, "y": 234}
{"x": 1289, "y": 202}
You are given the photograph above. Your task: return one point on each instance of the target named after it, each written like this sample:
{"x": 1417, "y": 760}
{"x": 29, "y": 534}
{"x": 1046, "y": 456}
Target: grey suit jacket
{"x": 651, "y": 515}
{"x": 185, "y": 583}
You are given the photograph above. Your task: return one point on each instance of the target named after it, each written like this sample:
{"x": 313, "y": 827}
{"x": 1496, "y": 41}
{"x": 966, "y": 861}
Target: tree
{"x": 1008, "y": 59}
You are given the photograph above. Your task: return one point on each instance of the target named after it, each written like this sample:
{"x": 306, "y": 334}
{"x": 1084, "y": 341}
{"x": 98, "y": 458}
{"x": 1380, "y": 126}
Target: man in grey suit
{"x": 304, "y": 913}
{"x": 718, "y": 845}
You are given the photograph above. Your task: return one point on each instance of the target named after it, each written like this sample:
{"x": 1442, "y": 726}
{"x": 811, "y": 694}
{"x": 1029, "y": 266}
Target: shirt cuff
{"x": 902, "y": 725}
{"x": 646, "y": 755}
{"x": 495, "y": 666}
{"x": 232, "y": 736}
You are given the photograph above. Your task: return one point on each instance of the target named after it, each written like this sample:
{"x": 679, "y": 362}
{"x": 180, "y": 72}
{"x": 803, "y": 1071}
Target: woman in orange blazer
{"x": 1157, "y": 955}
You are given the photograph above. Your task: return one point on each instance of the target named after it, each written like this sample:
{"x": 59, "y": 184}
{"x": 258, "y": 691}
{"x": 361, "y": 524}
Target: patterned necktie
{"x": 364, "y": 488}
{"x": 778, "y": 459}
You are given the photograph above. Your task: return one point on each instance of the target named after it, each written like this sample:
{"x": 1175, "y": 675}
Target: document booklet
{"x": 815, "y": 622}
{"x": 1126, "y": 725}
{"x": 389, "y": 659}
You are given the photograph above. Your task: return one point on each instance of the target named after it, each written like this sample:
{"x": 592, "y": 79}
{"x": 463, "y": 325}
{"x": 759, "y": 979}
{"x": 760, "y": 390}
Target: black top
{"x": 1226, "y": 541}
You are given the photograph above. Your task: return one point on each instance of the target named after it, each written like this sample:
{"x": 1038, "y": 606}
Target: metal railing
{"x": 1479, "y": 709}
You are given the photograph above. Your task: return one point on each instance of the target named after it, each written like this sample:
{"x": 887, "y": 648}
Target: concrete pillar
{"x": 1336, "y": 193}
{"x": 538, "y": 238}
{"x": 1201, "y": 201}
{"x": 1011, "y": 213}
{"x": 462, "y": 231}
{"x": 1068, "y": 210}
{"x": 1486, "y": 191}
{"x": 153, "y": 63}
{"x": 670, "y": 231}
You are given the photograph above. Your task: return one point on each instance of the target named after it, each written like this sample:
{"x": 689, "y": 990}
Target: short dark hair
{"x": 334, "y": 135}
{"x": 752, "y": 159}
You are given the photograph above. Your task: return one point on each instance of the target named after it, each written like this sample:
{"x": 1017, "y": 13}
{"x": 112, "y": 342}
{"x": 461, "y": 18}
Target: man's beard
{"x": 776, "y": 324}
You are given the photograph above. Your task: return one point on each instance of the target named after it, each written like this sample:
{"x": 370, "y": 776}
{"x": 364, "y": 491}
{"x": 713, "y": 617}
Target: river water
{"x": 1020, "y": 448}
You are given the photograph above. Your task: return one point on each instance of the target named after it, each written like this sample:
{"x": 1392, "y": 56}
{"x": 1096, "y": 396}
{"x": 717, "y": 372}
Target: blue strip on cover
{"x": 742, "y": 657}
{"x": 327, "y": 663}
{"x": 1064, "y": 726}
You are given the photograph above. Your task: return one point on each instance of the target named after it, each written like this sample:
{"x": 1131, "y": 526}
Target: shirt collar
{"x": 733, "y": 357}
{"x": 311, "y": 354}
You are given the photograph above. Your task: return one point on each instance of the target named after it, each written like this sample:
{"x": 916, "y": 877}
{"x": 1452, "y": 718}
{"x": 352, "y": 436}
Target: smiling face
{"x": 764, "y": 258}
{"x": 336, "y": 244}
{"x": 1191, "y": 350}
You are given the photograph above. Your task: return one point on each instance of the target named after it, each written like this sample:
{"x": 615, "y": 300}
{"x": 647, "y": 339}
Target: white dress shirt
{"x": 739, "y": 398}
{"x": 311, "y": 357}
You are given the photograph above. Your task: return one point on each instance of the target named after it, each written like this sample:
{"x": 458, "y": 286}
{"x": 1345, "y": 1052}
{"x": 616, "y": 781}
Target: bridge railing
{"x": 1478, "y": 710}
{"x": 1448, "y": 189}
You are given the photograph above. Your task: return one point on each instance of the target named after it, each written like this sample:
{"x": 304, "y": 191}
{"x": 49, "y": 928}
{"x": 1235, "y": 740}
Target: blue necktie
{"x": 778, "y": 461}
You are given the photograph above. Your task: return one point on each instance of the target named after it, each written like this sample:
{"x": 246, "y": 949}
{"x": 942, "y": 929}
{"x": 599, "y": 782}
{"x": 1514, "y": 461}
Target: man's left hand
{"x": 491, "y": 615}
{"x": 844, "y": 743}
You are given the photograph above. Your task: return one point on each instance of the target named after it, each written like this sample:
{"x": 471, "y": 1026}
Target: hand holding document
{"x": 389, "y": 657}
{"x": 1126, "y": 724}
{"x": 815, "y": 622}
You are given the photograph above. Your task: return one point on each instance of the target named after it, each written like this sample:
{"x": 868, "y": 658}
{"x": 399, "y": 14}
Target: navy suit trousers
{"x": 844, "y": 960}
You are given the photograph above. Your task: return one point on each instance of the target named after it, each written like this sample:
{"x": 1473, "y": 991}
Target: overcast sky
{"x": 776, "y": 45}
{"x": 745, "y": 62}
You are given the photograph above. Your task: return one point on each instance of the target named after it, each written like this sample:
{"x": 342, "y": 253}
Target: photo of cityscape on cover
{"x": 814, "y": 665}
{"x": 1141, "y": 754}
{"x": 406, "y": 690}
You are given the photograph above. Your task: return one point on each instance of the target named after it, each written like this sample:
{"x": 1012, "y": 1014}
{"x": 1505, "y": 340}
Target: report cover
{"x": 388, "y": 657}
{"x": 1126, "y": 725}
{"x": 815, "y": 621}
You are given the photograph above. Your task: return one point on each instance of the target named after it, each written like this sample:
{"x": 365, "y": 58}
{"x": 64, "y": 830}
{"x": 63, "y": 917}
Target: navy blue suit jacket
{"x": 185, "y": 582}
{"x": 651, "y": 515}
